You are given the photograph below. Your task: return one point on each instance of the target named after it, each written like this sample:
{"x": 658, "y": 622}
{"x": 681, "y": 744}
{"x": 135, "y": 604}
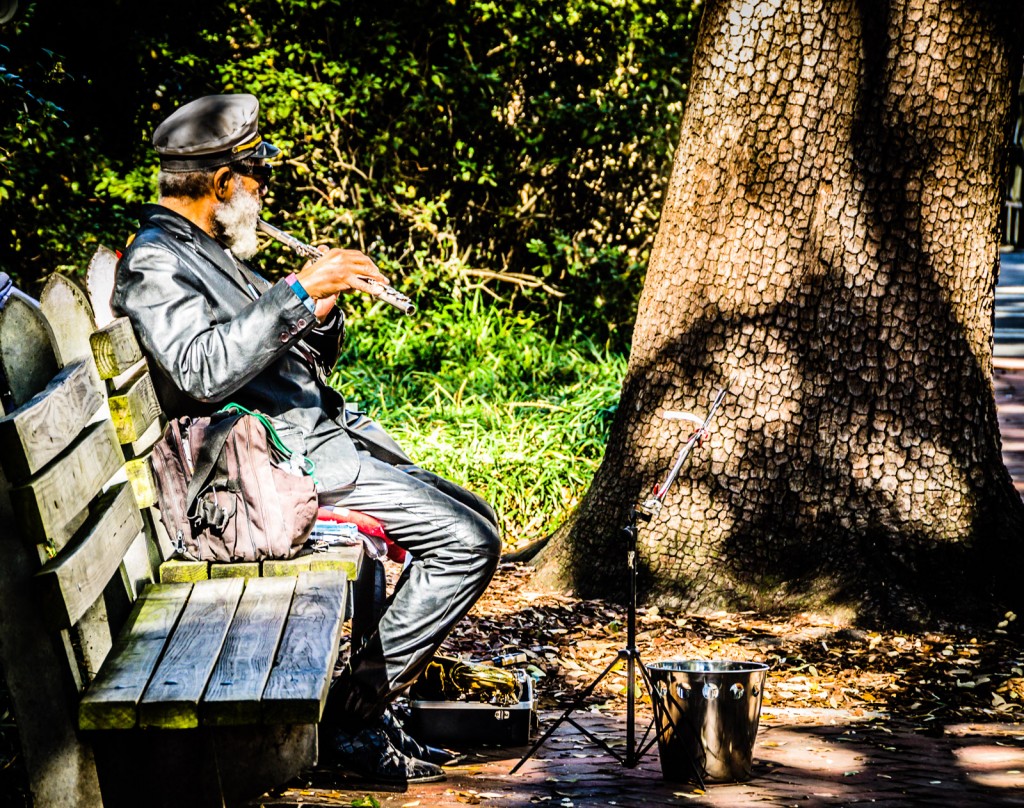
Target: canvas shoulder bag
{"x": 230, "y": 490}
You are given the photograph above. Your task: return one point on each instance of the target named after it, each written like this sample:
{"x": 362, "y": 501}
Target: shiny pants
{"x": 452, "y": 537}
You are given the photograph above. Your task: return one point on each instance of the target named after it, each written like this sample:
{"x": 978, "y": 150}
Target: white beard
{"x": 234, "y": 222}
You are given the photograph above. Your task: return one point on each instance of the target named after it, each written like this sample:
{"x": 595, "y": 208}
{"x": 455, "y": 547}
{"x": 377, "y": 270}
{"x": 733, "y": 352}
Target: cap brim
{"x": 262, "y": 151}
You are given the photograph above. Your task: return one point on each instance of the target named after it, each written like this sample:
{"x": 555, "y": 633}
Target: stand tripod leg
{"x": 629, "y": 653}
{"x": 631, "y": 753}
{"x": 579, "y": 702}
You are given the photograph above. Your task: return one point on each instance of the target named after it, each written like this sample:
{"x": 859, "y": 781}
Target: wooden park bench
{"x": 136, "y": 680}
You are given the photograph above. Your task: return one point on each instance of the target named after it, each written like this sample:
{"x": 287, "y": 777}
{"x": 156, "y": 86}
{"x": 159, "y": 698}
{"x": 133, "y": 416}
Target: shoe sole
{"x": 431, "y": 778}
{"x": 347, "y": 771}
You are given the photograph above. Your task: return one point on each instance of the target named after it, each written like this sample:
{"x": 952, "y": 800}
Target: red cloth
{"x": 364, "y": 524}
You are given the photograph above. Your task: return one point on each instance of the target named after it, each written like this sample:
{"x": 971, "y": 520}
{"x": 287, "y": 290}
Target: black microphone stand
{"x": 630, "y": 653}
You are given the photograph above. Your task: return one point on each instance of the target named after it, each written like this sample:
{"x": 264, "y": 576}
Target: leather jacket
{"x": 212, "y": 337}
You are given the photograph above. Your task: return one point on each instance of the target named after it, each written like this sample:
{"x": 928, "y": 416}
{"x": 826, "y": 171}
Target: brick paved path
{"x": 803, "y": 757}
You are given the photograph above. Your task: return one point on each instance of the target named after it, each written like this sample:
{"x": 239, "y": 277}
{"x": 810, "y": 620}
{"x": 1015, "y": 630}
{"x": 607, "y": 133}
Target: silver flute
{"x": 382, "y": 291}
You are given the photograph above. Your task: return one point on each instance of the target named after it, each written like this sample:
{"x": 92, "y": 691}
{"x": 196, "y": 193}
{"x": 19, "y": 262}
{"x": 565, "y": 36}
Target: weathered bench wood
{"x": 99, "y": 280}
{"x": 238, "y": 681}
{"x": 46, "y": 424}
{"x": 70, "y": 584}
{"x": 310, "y": 641}
{"x": 113, "y": 698}
{"x": 262, "y": 655}
{"x": 63, "y": 489}
{"x": 347, "y": 560}
{"x": 172, "y": 696}
{"x": 69, "y": 315}
{"x": 42, "y": 673}
{"x": 28, "y": 360}
{"x": 135, "y": 408}
{"x": 115, "y": 349}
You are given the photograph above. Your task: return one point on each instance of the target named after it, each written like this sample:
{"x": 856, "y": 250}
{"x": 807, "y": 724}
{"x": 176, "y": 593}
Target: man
{"x": 215, "y": 332}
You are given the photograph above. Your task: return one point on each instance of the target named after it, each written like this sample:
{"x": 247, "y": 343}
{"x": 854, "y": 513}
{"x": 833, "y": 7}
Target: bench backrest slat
{"x": 45, "y": 425}
{"x": 172, "y": 698}
{"x": 238, "y": 680}
{"x": 69, "y": 315}
{"x": 113, "y": 698}
{"x": 59, "y": 491}
{"x": 319, "y": 597}
{"x": 99, "y": 280}
{"x": 72, "y": 582}
{"x": 28, "y": 360}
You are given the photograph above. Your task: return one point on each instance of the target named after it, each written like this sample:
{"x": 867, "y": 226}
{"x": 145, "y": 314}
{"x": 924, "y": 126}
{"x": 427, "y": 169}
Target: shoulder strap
{"x": 213, "y": 444}
{"x": 258, "y": 284}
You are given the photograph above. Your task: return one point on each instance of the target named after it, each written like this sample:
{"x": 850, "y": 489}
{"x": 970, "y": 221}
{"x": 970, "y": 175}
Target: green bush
{"x": 486, "y": 399}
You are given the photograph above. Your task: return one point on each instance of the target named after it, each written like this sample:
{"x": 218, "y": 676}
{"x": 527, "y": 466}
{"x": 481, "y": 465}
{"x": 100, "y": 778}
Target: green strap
{"x": 307, "y": 464}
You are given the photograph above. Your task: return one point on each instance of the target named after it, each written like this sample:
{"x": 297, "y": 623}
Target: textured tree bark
{"x": 830, "y": 235}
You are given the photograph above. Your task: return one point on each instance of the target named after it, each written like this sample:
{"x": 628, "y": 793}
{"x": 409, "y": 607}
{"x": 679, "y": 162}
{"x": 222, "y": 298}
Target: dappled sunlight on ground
{"x": 850, "y": 716}
{"x": 802, "y": 757}
{"x": 991, "y": 756}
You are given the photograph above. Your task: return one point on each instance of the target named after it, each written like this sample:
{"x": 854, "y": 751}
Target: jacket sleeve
{"x": 206, "y": 353}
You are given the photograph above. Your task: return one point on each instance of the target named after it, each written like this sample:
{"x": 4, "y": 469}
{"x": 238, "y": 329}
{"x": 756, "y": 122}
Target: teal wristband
{"x": 301, "y": 293}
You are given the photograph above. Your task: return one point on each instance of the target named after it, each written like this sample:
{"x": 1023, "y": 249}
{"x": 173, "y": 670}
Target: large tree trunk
{"x": 830, "y": 236}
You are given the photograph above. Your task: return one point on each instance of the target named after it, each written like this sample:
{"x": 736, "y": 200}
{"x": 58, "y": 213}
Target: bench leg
{"x": 370, "y": 591}
{"x": 254, "y": 760}
{"x": 200, "y": 768}
{"x": 39, "y": 675}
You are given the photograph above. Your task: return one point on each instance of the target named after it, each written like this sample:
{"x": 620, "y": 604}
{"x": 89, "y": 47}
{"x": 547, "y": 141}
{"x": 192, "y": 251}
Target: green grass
{"x": 485, "y": 398}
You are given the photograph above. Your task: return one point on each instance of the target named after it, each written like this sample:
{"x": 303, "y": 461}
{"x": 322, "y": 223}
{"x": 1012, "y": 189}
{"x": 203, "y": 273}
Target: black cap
{"x": 212, "y": 131}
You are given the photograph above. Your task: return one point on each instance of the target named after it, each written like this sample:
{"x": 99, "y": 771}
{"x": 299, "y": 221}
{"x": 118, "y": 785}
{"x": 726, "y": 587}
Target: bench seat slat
{"x": 182, "y": 570}
{"x": 297, "y": 689}
{"x": 236, "y": 686}
{"x": 236, "y": 569}
{"x": 172, "y": 698}
{"x": 112, "y": 700}
{"x": 71, "y": 582}
{"x": 343, "y": 558}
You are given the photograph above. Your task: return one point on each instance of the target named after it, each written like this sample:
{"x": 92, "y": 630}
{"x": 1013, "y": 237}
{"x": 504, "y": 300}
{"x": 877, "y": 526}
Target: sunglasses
{"x": 260, "y": 173}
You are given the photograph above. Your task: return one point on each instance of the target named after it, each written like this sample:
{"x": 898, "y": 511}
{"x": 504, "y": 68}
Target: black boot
{"x": 370, "y": 754}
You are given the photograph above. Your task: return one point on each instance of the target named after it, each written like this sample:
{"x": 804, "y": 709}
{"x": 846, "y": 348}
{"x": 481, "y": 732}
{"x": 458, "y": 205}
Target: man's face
{"x": 234, "y": 219}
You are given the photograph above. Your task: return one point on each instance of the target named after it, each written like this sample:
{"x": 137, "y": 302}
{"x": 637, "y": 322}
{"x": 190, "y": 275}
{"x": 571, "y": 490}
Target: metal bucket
{"x": 707, "y": 715}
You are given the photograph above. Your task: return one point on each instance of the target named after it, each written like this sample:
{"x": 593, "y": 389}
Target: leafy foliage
{"x": 509, "y": 145}
{"x": 489, "y": 401}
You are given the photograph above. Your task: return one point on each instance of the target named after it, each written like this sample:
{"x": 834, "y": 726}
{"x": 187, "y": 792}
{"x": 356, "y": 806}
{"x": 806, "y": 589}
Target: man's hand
{"x": 324, "y": 306}
{"x": 339, "y": 271}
